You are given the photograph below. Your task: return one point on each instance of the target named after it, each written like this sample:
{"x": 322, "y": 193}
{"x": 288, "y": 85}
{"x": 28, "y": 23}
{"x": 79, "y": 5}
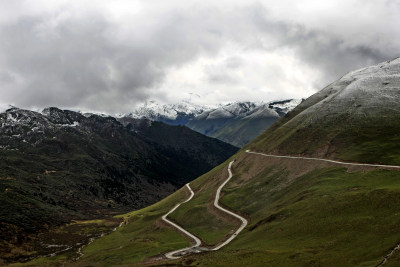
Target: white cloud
{"x": 112, "y": 55}
{"x": 259, "y": 76}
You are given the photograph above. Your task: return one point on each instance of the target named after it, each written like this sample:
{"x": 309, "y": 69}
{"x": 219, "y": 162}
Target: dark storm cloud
{"x": 322, "y": 50}
{"x": 78, "y": 62}
{"x": 69, "y": 64}
{"x": 331, "y": 54}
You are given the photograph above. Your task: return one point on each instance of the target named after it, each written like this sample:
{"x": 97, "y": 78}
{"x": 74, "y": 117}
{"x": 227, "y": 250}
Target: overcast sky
{"x": 110, "y": 56}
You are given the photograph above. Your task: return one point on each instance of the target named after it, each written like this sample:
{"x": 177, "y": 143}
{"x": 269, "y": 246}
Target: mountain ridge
{"x": 240, "y": 122}
{"x": 173, "y": 114}
{"x": 235, "y": 123}
{"x": 366, "y": 99}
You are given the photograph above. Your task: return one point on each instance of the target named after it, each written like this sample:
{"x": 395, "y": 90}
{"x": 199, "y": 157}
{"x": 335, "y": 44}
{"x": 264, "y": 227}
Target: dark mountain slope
{"x": 61, "y": 165}
{"x": 180, "y": 143}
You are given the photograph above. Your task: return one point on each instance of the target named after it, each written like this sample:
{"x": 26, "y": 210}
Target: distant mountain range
{"x": 235, "y": 123}
{"x": 59, "y": 165}
{"x": 173, "y": 114}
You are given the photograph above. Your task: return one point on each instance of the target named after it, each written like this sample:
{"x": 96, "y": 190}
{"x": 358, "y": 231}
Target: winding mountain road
{"x": 216, "y": 204}
{"x": 170, "y": 255}
{"x": 326, "y": 160}
{"x": 196, "y": 247}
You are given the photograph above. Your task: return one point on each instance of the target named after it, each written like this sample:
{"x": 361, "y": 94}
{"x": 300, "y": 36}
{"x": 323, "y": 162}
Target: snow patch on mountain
{"x": 371, "y": 92}
{"x": 101, "y": 114}
{"x": 5, "y": 107}
{"x": 285, "y": 105}
{"x": 232, "y": 110}
{"x": 263, "y": 111}
{"x": 155, "y": 111}
{"x": 239, "y": 110}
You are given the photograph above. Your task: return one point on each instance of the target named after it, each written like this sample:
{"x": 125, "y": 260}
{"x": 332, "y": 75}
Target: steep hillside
{"x": 355, "y": 118}
{"x": 301, "y": 211}
{"x": 60, "y": 165}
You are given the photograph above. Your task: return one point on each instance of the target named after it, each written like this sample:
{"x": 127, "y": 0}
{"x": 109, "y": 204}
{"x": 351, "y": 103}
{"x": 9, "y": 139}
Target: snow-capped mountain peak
{"x": 179, "y": 113}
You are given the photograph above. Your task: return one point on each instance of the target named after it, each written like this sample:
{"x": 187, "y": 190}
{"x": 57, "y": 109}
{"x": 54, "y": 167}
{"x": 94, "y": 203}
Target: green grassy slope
{"x": 199, "y": 216}
{"x": 146, "y": 237}
{"x": 326, "y": 216}
{"x": 143, "y": 237}
{"x": 300, "y": 214}
{"x": 373, "y": 141}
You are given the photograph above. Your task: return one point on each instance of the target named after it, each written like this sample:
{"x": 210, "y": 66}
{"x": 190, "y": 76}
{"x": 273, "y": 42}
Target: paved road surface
{"x": 181, "y": 252}
{"x": 216, "y": 204}
{"x": 196, "y": 247}
{"x": 326, "y": 160}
